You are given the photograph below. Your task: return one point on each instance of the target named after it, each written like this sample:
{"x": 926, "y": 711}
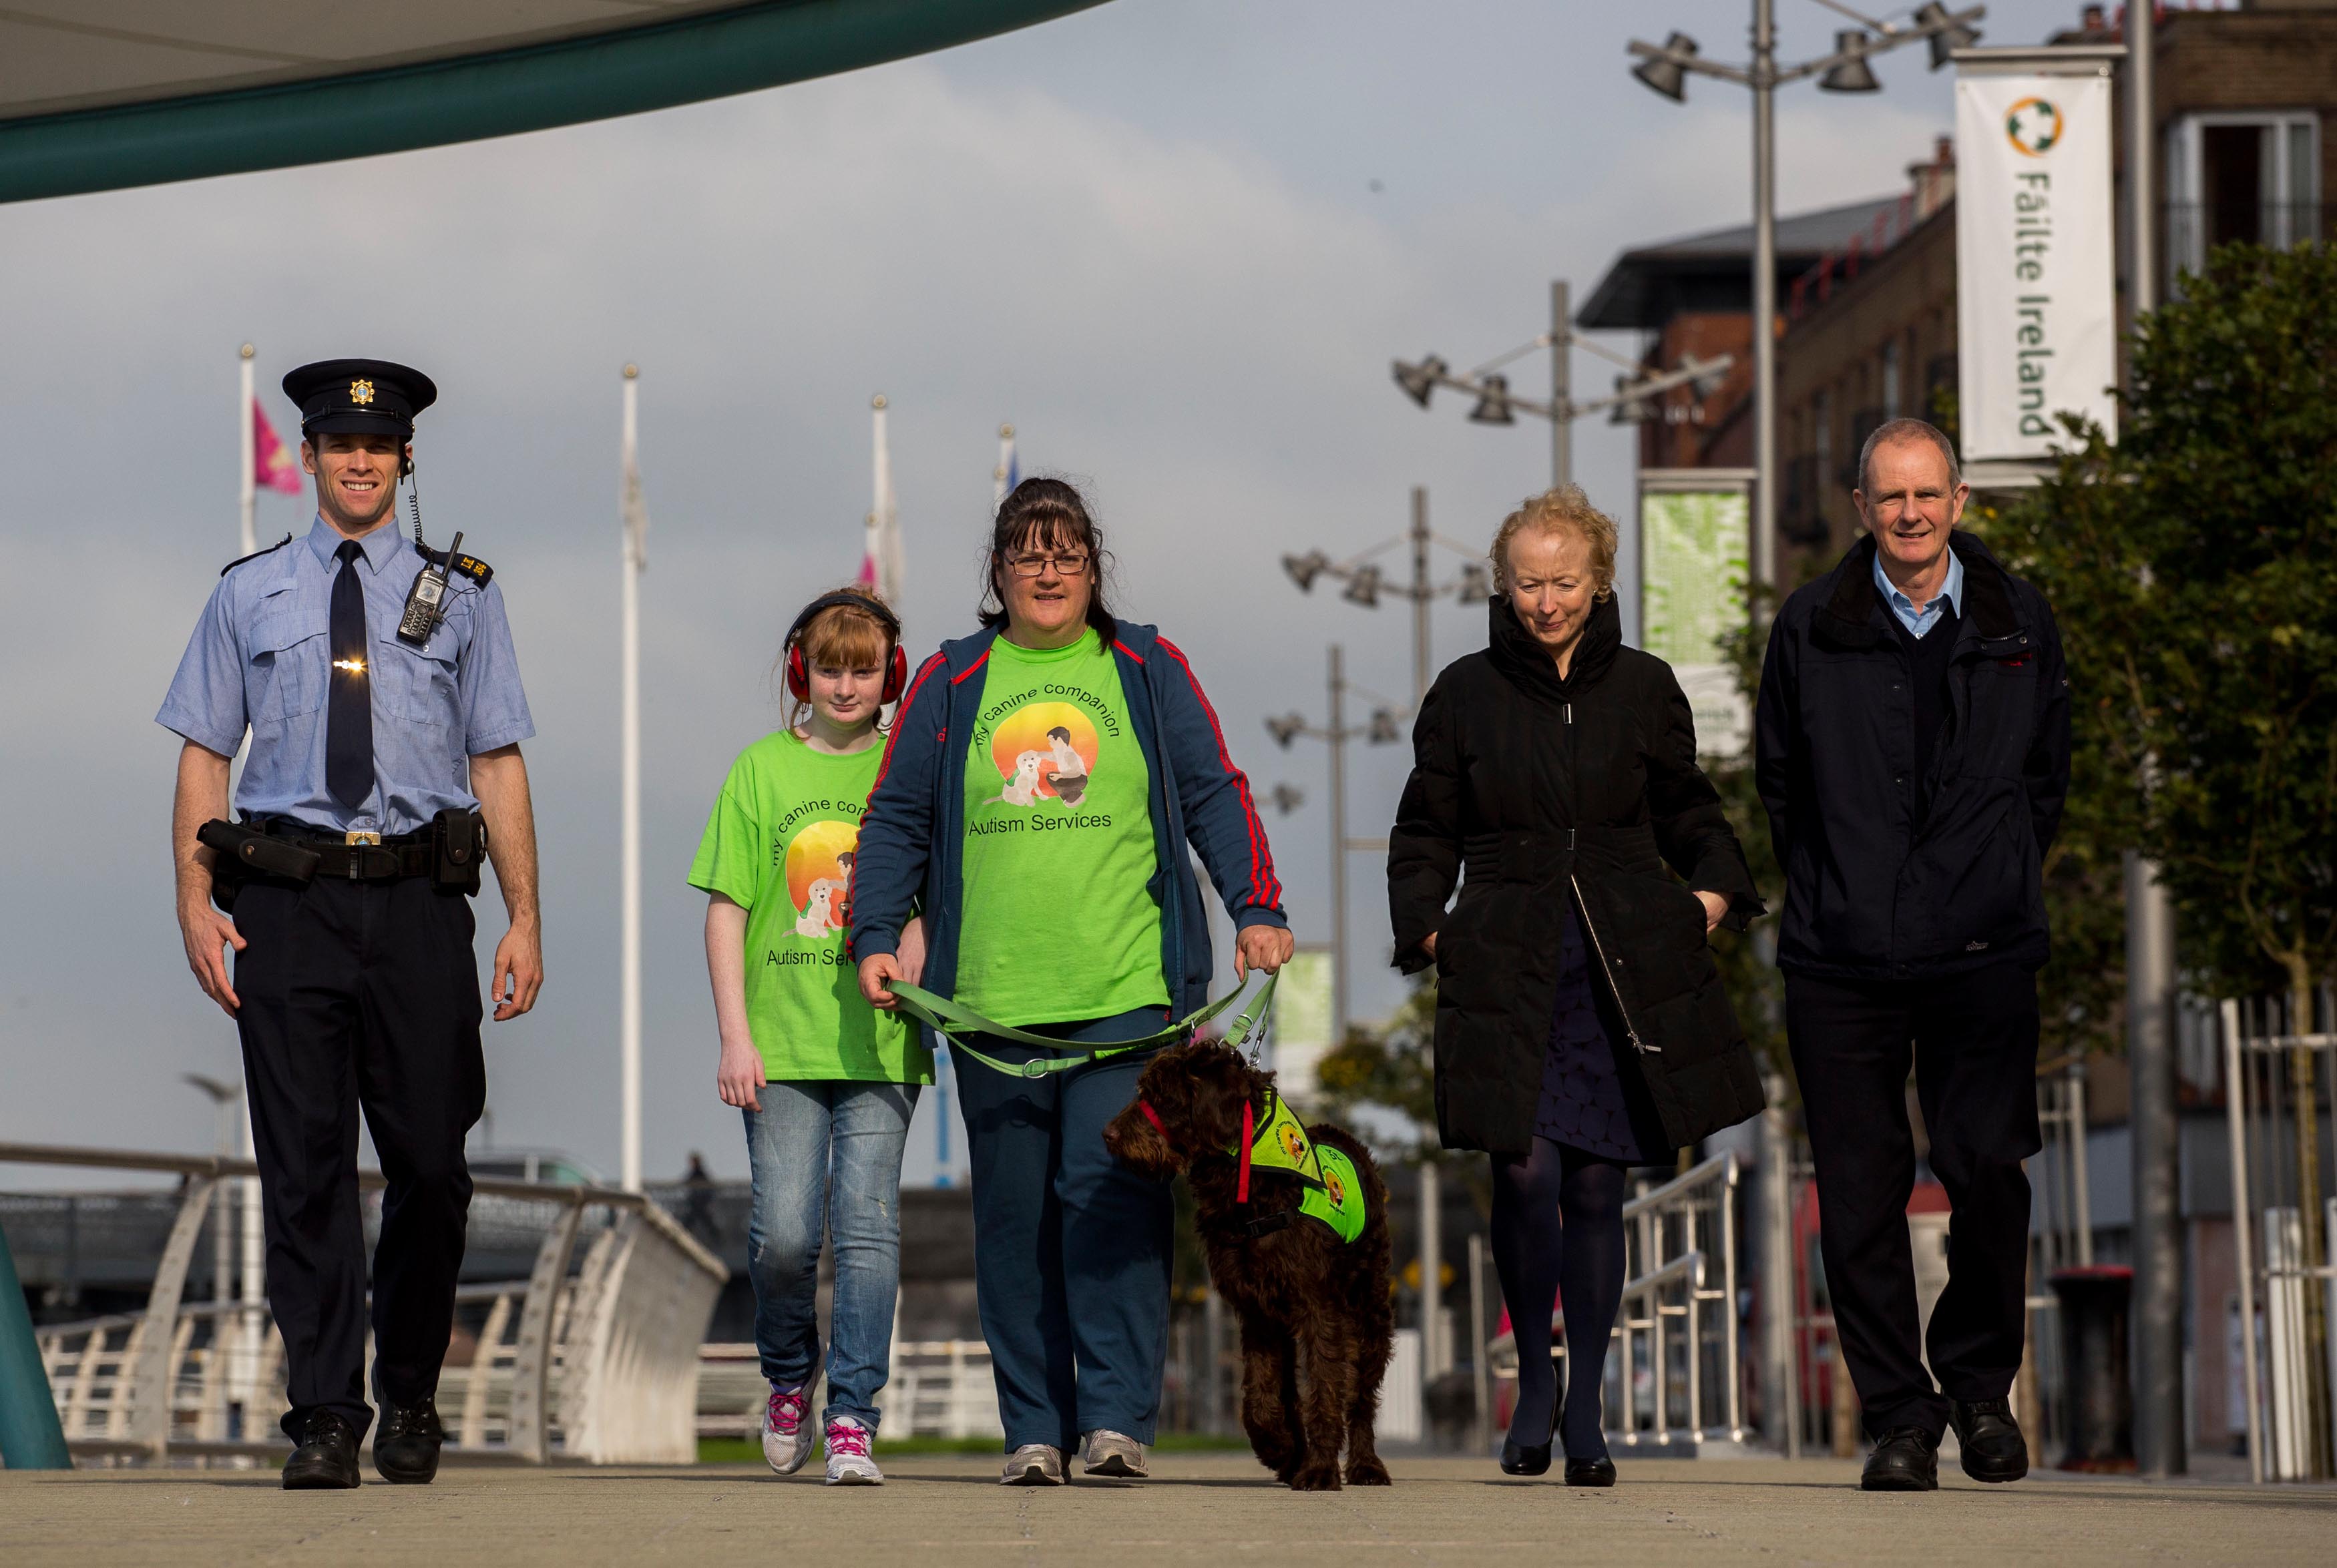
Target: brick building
{"x": 1867, "y": 290}
{"x": 2242, "y": 97}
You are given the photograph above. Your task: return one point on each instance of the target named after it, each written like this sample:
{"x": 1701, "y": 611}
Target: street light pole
{"x": 1338, "y": 739}
{"x": 1764, "y": 294}
{"x": 628, "y": 506}
{"x": 1561, "y": 383}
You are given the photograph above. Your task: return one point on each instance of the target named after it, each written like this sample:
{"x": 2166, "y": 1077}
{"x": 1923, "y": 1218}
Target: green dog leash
{"x": 952, "y": 1023}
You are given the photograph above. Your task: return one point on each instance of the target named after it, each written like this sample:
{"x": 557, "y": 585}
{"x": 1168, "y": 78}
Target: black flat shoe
{"x": 406, "y": 1449}
{"x": 1907, "y": 1459}
{"x": 1529, "y": 1458}
{"x": 326, "y": 1457}
{"x": 1993, "y": 1448}
{"x": 1599, "y": 1472}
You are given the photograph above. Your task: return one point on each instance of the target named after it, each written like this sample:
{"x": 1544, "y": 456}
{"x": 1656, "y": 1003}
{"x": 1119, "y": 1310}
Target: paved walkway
{"x": 1213, "y": 1511}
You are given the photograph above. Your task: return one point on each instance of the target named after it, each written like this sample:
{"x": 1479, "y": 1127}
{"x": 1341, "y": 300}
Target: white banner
{"x": 2036, "y": 227}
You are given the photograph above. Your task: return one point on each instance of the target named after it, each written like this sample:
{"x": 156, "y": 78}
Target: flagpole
{"x": 629, "y": 509}
{"x": 879, "y": 496}
{"x": 250, "y": 469}
{"x": 998, "y": 474}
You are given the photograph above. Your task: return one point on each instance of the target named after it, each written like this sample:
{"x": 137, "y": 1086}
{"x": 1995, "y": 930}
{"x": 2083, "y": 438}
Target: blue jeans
{"x": 1071, "y": 1249}
{"x": 827, "y": 1156}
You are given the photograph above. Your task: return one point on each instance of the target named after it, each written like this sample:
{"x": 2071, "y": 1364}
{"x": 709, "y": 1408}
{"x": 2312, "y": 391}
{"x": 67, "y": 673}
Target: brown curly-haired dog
{"x": 1303, "y": 1293}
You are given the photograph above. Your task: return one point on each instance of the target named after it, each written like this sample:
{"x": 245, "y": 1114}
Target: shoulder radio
{"x": 426, "y": 601}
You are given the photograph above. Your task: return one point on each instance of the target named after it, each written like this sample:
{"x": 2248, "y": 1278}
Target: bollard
{"x": 2094, "y": 1311}
{"x": 31, "y": 1437}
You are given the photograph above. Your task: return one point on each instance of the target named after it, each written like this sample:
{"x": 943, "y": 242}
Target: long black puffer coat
{"x": 1545, "y": 789}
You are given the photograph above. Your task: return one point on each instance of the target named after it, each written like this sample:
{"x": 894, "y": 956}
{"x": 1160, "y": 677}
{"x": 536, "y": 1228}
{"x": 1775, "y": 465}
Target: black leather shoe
{"x": 406, "y": 1449}
{"x": 326, "y": 1458}
{"x": 1529, "y": 1458}
{"x": 1599, "y": 1472}
{"x": 1907, "y": 1459}
{"x": 1993, "y": 1447}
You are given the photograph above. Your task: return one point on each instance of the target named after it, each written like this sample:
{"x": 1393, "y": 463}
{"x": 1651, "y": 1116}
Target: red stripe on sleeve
{"x": 969, "y": 669}
{"x": 1265, "y": 887}
{"x": 899, "y": 714}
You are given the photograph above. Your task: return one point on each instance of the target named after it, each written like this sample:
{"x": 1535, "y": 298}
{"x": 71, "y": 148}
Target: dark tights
{"x": 1558, "y": 1236}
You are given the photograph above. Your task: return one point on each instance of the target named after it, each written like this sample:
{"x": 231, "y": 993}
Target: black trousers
{"x": 360, "y": 994}
{"x": 1972, "y": 1038}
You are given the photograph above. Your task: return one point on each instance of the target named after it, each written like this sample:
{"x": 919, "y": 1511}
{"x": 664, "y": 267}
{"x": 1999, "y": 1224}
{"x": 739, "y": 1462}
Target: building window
{"x": 1891, "y": 408}
{"x": 2253, "y": 177}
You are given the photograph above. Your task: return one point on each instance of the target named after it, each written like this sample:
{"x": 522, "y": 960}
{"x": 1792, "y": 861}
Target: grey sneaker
{"x": 1034, "y": 1464}
{"x": 786, "y": 1428}
{"x": 1111, "y": 1453}
{"x": 848, "y": 1463}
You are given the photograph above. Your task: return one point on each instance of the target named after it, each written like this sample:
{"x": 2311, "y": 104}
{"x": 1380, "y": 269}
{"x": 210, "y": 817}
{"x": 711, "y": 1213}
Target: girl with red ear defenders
{"x": 824, "y": 1083}
{"x": 852, "y": 603}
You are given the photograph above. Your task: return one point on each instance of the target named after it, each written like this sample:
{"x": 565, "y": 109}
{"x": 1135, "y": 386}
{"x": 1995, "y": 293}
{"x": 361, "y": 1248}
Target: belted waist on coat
{"x": 1545, "y": 854}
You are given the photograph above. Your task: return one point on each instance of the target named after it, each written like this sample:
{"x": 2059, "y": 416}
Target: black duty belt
{"x": 357, "y": 857}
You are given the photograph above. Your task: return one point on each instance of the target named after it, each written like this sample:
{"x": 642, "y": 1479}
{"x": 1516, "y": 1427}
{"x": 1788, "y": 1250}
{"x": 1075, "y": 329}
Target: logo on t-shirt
{"x": 819, "y": 878}
{"x": 1044, "y": 751}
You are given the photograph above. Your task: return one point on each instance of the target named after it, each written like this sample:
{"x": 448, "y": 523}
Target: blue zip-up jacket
{"x": 913, "y": 834}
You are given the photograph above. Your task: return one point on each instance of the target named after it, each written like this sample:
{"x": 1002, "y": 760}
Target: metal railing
{"x": 1673, "y": 1372}
{"x": 2277, "y": 1073}
{"x": 590, "y": 1358}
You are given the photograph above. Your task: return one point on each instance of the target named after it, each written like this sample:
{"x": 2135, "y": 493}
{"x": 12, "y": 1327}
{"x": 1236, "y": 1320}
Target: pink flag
{"x": 272, "y": 465}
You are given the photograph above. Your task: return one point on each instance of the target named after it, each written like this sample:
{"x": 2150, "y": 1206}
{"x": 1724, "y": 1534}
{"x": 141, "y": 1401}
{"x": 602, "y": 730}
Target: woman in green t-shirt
{"x": 826, "y": 1084}
{"x": 1048, "y": 785}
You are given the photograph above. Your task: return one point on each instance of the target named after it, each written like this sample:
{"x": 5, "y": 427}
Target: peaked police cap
{"x": 359, "y": 395}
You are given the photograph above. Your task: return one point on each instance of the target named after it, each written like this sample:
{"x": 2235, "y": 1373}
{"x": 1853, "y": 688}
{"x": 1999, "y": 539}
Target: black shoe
{"x": 1529, "y": 1458}
{"x": 1599, "y": 1472}
{"x": 1993, "y": 1447}
{"x": 1907, "y": 1459}
{"x": 326, "y": 1458}
{"x": 406, "y": 1449}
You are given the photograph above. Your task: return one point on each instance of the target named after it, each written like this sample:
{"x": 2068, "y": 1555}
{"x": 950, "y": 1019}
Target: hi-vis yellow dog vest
{"x": 1332, "y": 1188}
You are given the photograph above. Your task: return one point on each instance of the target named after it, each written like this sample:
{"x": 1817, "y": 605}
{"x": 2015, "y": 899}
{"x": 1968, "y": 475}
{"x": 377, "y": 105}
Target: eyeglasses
{"x": 1071, "y": 563}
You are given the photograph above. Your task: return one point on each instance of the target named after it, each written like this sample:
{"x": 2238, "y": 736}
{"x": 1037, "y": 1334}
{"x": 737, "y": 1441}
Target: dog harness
{"x": 1331, "y": 1188}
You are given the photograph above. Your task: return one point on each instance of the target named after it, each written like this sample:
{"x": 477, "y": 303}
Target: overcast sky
{"x": 1175, "y": 241}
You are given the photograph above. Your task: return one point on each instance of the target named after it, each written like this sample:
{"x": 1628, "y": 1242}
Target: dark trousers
{"x": 360, "y": 994}
{"x": 1071, "y": 1249}
{"x": 1972, "y": 1038}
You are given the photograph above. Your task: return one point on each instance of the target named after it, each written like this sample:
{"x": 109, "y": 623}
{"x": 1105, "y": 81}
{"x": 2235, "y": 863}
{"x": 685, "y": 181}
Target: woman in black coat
{"x": 1581, "y": 1026}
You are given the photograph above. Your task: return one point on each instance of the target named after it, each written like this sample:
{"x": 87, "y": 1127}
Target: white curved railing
{"x": 601, "y": 1362}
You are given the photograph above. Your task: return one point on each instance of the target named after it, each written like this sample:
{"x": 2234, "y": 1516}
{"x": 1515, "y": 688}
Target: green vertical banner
{"x": 1694, "y": 536}
{"x": 31, "y": 1437}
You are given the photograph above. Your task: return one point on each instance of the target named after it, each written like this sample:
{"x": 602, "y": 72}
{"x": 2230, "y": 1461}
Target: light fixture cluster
{"x": 1666, "y": 69}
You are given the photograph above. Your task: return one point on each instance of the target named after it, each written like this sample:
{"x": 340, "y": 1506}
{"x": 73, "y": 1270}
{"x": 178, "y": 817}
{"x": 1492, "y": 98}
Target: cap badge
{"x": 360, "y": 392}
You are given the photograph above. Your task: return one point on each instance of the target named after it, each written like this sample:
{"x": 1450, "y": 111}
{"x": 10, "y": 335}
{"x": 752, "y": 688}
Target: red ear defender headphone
{"x": 897, "y": 674}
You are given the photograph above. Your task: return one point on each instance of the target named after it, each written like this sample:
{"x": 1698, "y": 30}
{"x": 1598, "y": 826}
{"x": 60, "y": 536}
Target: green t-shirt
{"x": 1057, "y": 923}
{"x": 779, "y": 844}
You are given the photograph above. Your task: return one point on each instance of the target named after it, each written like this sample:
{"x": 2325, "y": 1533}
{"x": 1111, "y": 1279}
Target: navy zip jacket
{"x": 1889, "y": 875}
{"x": 912, "y": 837}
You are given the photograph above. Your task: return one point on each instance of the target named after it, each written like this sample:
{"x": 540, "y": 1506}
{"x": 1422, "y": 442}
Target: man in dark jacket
{"x": 1914, "y": 754}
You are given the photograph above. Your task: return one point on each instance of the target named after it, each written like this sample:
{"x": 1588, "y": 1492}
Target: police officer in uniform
{"x": 382, "y": 766}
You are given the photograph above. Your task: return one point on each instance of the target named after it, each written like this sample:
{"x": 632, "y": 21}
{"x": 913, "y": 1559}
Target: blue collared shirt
{"x": 1917, "y": 623}
{"x": 261, "y": 658}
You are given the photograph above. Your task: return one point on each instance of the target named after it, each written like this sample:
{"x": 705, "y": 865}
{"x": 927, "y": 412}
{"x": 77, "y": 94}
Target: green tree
{"x": 2193, "y": 567}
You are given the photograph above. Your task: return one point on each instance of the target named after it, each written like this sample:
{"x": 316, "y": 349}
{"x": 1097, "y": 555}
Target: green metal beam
{"x": 527, "y": 89}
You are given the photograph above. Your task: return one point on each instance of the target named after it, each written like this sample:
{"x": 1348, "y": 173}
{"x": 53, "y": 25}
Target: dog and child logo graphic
{"x": 1046, "y": 751}
{"x": 819, "y": 877}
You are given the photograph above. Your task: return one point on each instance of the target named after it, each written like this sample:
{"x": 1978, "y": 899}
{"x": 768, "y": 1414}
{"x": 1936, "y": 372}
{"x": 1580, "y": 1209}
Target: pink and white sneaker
{"x": 848, "y": 1463}
{"x": 786, "y": 1429}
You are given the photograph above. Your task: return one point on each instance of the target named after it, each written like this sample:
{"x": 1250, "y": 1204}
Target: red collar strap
{"x": 1249, "y": 1134}
{"x": 1153, "y": 1116}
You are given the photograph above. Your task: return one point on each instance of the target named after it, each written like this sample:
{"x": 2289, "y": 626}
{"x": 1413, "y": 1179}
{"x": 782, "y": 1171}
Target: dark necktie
{"x": 349, "y": 715}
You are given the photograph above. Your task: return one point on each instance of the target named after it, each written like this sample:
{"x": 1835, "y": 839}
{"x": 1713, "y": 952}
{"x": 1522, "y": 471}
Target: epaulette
{"x": 255, "y": 555}
{"x": 470, "y": 566}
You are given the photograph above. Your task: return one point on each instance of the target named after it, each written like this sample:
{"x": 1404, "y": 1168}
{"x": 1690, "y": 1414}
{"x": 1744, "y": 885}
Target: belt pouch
{"x": 458, "y": 842}
{"x": 245, "y": 852}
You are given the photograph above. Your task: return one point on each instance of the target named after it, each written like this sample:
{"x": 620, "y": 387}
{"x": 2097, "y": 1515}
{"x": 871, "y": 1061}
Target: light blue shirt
{"x": 1952, "y": 592}
{"x": 261, "y": 658}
